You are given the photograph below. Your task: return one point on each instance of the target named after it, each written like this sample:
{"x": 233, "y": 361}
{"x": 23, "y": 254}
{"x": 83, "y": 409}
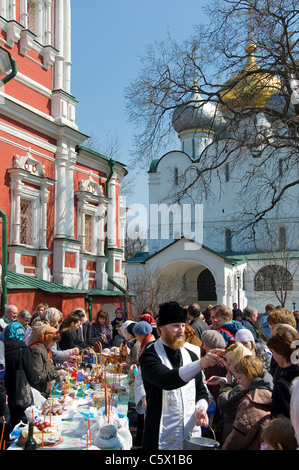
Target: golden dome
{"x": 249, "y": 88}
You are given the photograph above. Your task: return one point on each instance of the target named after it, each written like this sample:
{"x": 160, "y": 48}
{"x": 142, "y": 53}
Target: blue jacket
{"x": 264, "y": 325}
{"x": 229, "y": 330}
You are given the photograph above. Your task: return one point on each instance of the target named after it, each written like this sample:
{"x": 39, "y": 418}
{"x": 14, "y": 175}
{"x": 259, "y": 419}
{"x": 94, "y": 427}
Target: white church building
{"x": 204, "y": 237}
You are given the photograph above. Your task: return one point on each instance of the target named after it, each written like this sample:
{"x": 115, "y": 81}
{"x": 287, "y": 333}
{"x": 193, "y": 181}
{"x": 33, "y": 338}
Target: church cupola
{"x": 195, "y": 121}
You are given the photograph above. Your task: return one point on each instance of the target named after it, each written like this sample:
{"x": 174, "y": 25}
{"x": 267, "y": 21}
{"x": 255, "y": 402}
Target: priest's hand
{"x": 201, "y": 417}
{"x": 208, "y": 360}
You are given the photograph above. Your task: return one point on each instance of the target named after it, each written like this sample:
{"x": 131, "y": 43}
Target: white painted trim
{"x": 27, "y": 106}
{"x": 33, "y": 85}
{"x": 29, "y": 138}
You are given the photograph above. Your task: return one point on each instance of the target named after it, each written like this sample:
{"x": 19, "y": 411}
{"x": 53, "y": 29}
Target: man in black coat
{"x": 249, "y": 319}
{"x": 197, "y": 323}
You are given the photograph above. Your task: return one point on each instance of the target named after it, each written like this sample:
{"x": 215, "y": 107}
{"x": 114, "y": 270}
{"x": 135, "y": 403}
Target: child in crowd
{"x": 278, "y": 434}
{"x": 254, "y": 408}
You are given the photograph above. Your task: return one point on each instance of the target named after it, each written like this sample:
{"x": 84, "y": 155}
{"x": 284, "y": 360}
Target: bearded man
{"x": 177, "y": 399}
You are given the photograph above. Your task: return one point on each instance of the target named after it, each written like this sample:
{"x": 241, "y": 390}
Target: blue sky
{"x": 108, "y": 39}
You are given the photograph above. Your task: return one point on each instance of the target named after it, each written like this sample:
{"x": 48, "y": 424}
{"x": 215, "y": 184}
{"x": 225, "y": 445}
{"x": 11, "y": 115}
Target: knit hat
{"x": 149, "y": 318}
{"x": 244, "y": 335}
{"x": 171, "y": 312}
{"x": 142, "y": 328}
{"x": 213, "y": 339}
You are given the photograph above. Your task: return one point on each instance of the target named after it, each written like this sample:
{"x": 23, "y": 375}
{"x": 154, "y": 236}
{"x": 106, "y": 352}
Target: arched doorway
{"x": 206, "y": 286}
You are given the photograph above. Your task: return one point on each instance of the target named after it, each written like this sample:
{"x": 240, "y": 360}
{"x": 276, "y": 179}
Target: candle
{"x": 1, "y": 439}
{"x": 43, "y": 431}
{"x": 89, "y": 431}
{"x": 106, "y": 399}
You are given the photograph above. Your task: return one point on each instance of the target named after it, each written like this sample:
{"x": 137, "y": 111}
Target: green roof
{"x": 239, "y": 258}
{"x": 22, "y": 281}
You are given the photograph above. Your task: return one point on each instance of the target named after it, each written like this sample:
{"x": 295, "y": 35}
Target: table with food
{"x": 86, "y": 410}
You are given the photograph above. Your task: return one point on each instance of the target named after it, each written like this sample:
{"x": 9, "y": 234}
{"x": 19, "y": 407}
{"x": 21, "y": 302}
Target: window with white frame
{"x": 26, "y": 222}
{"x": 39, "y": 20}
{"x": 88, "y": 239}
{"x": 29, "y": 197}
{"x": 91, "y": 212}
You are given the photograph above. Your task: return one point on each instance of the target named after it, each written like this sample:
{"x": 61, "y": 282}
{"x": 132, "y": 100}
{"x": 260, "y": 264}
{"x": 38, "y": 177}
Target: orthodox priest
{"x": 177, "y": 399}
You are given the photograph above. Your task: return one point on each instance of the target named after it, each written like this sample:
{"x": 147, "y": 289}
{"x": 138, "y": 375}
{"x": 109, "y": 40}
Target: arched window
{"x": 273, "y": 278}
{"x": 176, "y": 176}
{"x": 184, "y": 282}
{"x": 227, "y": 175}
{"x": 282, "y": 238}
{"x": 244, "y": 280}
{"x": 193, "y": 148}
{"x": 228, "y": 240}
{"x": 206, "y": 286}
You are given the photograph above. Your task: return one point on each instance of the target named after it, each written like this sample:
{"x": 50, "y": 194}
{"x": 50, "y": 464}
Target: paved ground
{"x": 133, "y": 425}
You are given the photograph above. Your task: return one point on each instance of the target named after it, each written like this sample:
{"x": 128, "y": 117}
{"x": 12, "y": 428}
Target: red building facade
{"x": 63, "y": 203}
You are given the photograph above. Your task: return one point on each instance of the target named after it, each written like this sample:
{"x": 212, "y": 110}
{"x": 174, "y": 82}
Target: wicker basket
{"x": 94, "y": 351}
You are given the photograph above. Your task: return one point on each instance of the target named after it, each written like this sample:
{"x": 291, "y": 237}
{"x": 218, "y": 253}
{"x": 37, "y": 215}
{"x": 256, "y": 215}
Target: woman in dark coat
{"x": 101, "y": 330}
{"x": 41, "y": 341}
{"x": 84, "y": 331}
{"x": 68, "y": 328}
{"x": 282, "y": 344}
{"x": 120, "y": 318}
{"x": 16, "y": 350}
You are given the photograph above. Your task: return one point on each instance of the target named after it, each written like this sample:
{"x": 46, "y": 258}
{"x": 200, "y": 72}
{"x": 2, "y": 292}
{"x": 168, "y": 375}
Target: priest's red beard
{"x": 173, "y": 341}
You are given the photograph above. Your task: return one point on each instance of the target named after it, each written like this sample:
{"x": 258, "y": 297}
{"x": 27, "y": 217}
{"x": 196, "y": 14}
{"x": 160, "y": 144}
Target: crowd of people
{"x": 230, "y": 372}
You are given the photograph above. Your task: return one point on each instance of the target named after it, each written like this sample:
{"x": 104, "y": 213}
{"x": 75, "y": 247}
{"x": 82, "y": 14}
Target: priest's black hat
{"x": 171, "y": 312}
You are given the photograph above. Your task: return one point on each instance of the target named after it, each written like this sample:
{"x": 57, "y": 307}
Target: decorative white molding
{"x": 49, "y": 54}
{"x": 63, "y": 108}
{"x": 27, "y": 39}
{"x": 29, "y": 164}
{"x": 91, "y": 186}
{"x": 13, "y": 30}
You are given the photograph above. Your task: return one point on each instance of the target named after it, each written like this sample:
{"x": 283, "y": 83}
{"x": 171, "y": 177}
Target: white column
{"x": 67, "y": 46}
{"x": 69, "y": 197}
{"x": 60, "y": 193}
{"x": 16, "y": 192}
{"x": 43, "y": 229}
{"x": 221, "y": 294}
{"x": 101, "y": 211}
{"x": 48, "y": 23}
{"x": 12, "y": 12}
{"x": 112, "y": 213}
{"x": 59, "y": 38}
{"x": 24, "y": 13}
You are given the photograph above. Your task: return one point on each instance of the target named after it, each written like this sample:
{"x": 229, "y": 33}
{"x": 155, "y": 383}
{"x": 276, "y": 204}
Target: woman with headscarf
{"x": 41, "y": 341}
{"x": 120, "y": 317}
{"x": 53, "y": 317}
{"x": 17, "y": 354}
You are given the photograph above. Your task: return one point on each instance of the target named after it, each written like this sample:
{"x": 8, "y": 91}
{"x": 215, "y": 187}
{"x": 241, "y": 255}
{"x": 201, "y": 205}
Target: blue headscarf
{"x": 14, "y": 330}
